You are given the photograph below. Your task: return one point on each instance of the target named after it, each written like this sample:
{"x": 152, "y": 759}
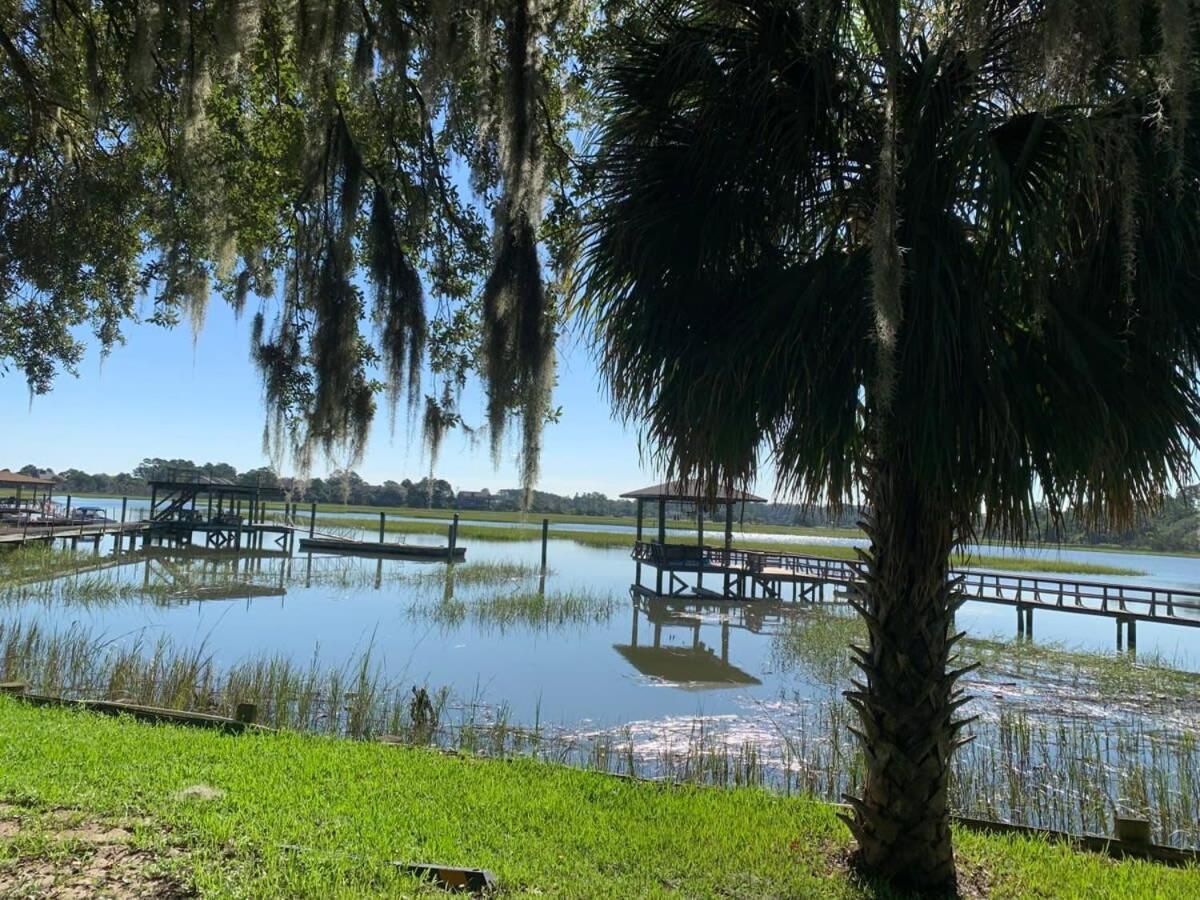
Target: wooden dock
{"x": 748, "y": 575}
{"x": 72, "y": 531}
{"x": 349, "y": 547}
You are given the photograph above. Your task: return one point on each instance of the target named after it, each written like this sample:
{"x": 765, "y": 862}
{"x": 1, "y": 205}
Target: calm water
{"x": 595, "y": 674}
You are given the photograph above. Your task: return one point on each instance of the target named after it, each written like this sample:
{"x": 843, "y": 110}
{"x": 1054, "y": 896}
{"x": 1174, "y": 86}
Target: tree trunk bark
{"x": 907, "y": 700}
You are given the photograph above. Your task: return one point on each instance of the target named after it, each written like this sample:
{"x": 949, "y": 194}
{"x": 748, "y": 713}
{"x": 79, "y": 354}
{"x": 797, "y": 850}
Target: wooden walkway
{"x": 88, "y": 531}
{"x": 742, "y": 575}
{"x": 238, "y": 536}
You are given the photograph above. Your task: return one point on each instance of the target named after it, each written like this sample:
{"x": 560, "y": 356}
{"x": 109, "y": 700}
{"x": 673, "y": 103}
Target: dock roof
{"x": 9, "y": 478}
{"x": 690, "y": 490}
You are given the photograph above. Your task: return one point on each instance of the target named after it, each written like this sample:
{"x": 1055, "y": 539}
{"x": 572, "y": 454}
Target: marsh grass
{"x": 490, "y": 573}
{"x": 1034, "y": 766}
{"x": 73, "y": 580}
{"x": 36, "y": 560}
{"x": 523, "y": 608}
{"x": 816, "y": 640}
{"x": 617, "y": 540}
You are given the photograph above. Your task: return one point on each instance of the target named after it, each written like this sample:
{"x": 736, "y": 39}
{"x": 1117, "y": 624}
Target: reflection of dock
{"x": 695, "y": 666}
{"x": 183, "y": 574}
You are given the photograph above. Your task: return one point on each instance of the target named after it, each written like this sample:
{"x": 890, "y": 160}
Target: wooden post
{"x": 246, "y": 712}
{"x": 312, "y": 521}
{"x": 68, "y": 512}
{"x": 1120, "y": 634}
{"x": 662, "y": 540}
{"x": 1132, "y": 630}
{"x": 1029, "y": 621}
{"x": 545, "y": 535}
{"x": 1132, "y": 831}
{"x": 453, "y": 537}
{"x": 1020, "y": 619}
{"x": 638, "y": 567}
{"x": 382, "y": 525}
{"x": 728, "y": 529}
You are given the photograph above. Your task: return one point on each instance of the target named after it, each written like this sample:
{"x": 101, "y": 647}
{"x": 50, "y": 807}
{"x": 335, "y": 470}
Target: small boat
{"x": 375, "y": 548}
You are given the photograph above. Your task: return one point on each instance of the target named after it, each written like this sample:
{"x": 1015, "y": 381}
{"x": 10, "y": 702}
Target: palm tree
{"x": 933, "y": 255}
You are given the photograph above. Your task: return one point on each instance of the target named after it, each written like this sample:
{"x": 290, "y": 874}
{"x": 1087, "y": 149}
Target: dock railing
{"x": 1121, "y": 600}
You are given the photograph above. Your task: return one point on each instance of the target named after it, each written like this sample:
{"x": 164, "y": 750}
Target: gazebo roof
{"x": 689, "y": 490}
{"x": 16, "y": 479}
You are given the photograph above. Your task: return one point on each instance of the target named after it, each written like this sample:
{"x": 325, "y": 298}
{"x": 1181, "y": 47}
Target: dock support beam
{"x": 662, "y": 542}
{"x": 382, "y": 525}
{"x": 1020, "y": 619}
{"x": 312, "y": 521}
{"x": 638, "y": 566}
{"x": 453, "y": 542}
{"x": 1126, "y": 633}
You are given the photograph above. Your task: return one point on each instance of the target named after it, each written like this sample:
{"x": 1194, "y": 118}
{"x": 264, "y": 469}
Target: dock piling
{"x": 312, "y": 521}
{"x": 453, "y": 537}
{"x": 382, "y": 525}
{"x": 545, "y": 537}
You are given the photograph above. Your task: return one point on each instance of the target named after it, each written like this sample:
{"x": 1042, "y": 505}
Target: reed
{"x": 1035, "y": 767}
{"x": 35, "y": 560}
{"x": 523, "y": 608}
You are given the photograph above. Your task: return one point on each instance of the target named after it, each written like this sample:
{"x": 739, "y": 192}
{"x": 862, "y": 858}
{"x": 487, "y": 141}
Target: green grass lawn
{"x": 288, "y": 815}
{"x": 500, "y": 532}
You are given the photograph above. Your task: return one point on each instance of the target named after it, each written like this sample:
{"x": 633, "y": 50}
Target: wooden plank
{"x": 371, "y": 548}
{"x": 153, "y": 714}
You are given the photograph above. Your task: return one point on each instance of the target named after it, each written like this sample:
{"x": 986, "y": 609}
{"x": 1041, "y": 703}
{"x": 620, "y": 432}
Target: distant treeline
{"x": 1175, "y": 527}
{"x": 436, "y": 493}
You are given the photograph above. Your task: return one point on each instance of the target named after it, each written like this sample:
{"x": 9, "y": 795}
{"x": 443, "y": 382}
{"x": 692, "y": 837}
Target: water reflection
{"x": 692, "y": 665}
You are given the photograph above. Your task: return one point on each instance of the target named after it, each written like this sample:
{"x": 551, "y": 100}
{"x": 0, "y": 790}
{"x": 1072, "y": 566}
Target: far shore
{"x": 515, "y": 517}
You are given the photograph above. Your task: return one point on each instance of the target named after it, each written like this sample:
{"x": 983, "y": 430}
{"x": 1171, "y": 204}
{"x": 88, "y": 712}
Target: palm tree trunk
{"x": 907, "y": 700}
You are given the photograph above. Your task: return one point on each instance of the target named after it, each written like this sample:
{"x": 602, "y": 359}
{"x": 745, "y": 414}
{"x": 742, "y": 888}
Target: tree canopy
{"x": 325, "y": 165}
{"x": 938, "y": 255}
{"x": 1039, "y": 264}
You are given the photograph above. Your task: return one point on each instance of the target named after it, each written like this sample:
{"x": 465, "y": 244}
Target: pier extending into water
{"x": 227, "y": 515}
{"x": 750, "y": 575}
{"x": 724, "y": 573}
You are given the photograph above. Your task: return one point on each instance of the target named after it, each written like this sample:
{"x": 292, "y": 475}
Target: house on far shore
{"x": 473, "y": 499}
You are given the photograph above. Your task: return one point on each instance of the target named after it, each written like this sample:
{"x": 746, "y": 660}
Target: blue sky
{"x": 161, "y": 395}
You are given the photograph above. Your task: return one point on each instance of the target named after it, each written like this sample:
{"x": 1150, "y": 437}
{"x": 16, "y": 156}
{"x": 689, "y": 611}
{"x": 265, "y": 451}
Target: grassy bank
{"x": 291, "y": 815}
{"x": 619, "y": 539}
